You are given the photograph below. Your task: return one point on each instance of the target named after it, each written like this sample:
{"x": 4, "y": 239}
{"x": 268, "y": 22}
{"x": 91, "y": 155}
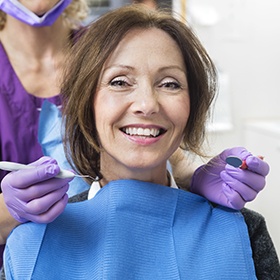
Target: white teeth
{"x": 142, "y": 131}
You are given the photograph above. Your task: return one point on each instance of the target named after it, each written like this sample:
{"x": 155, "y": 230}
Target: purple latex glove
{"x": 229, "y": 186}
{"x": 34, "y": 194}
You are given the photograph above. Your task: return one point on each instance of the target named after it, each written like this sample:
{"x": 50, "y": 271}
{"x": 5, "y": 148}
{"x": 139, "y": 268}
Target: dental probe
{"x": 13, "y": 166}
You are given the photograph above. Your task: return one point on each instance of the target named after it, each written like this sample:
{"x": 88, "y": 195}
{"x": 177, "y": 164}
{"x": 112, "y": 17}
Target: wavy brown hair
{"x": 73, "y": 14}
{"x": 84, "y": 65}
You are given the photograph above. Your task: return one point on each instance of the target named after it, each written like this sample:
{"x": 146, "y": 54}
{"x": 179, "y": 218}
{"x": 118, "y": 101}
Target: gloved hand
{"x": 229, "y": 186}
{"x": 35, "y": 194}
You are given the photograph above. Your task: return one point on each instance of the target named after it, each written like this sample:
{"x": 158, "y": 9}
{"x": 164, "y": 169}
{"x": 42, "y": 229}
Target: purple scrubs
{"x": 19, "y": 114}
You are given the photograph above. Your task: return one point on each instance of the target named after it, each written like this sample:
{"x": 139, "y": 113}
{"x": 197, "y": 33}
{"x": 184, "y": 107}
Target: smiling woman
{"x": 137, "y": 85}
{"x": 142, "y": 80}
{"x": 134, "y": 102}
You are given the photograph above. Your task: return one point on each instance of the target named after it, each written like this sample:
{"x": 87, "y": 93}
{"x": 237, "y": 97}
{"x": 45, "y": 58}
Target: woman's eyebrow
{"x": 131, "y": 68}
{"x": 172, "y": 67}
{"x": 119, "y": 66}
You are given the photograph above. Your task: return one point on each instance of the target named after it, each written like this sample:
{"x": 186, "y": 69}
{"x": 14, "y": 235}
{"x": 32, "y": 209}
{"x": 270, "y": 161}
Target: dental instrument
{"x": 13, "y": 166}
{"x": 236, "y": 162}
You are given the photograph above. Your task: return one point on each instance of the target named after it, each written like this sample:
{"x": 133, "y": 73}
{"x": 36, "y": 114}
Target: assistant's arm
{"x": 7, "y": 222}
{"x": 182, "y": 168}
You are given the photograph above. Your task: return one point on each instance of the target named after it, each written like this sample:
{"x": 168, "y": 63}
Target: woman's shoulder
{"x": 253, "y": 219}
{"x": 264, "y": 253}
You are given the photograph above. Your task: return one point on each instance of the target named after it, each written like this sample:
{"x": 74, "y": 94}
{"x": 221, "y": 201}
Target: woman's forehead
{"x": 146, "y": 45}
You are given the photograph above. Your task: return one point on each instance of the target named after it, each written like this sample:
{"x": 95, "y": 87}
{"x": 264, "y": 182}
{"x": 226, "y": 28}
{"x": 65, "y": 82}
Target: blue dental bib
{"x": 134, "y": 230}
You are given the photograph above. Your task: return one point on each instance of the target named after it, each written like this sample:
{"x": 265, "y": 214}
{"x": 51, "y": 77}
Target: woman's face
{"x": 39, "y": 7}
{"x": 141, "y": 106}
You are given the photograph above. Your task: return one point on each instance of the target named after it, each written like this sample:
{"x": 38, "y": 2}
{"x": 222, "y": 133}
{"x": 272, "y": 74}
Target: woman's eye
{"x": 118, "y": 83}
{"x": 170, "y": 85}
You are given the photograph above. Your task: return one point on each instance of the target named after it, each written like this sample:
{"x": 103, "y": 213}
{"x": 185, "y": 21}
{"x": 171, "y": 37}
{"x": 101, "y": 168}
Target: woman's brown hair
{"x": 85, "y": 63}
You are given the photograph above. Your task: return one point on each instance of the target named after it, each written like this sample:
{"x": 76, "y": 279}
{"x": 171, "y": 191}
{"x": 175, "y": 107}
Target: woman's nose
{"x": 146, "y": 101}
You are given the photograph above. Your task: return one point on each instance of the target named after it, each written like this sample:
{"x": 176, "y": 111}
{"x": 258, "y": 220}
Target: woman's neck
{"x": 158, "y": 175}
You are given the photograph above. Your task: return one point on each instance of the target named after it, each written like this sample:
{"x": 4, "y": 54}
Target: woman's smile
{"x": 142, "y": 131}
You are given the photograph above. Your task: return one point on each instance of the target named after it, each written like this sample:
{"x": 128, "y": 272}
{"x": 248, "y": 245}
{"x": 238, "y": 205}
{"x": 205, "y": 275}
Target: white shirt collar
{"x": 95, "y": 187}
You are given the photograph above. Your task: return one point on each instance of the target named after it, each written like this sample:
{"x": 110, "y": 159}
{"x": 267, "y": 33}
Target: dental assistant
{"x": 33, "y": 38}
